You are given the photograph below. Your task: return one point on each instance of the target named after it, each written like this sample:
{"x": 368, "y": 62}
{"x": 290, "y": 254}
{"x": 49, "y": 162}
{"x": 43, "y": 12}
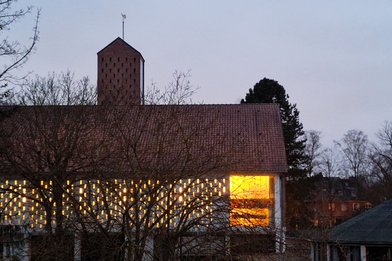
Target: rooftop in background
{"x": 373, "y": 227}
{"x": 336, "y": 188}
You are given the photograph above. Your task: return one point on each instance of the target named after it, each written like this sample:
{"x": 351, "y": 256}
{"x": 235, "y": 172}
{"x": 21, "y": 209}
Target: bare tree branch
{"x": 13, "y": 52}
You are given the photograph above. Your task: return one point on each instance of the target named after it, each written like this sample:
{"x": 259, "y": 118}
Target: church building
{"x": 127, "y": 180}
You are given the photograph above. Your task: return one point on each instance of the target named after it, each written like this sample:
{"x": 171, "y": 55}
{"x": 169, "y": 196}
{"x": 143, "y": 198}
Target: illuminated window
{"x": 251, "y": 200}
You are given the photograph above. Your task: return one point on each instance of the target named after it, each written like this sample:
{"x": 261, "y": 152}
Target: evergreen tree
{"x": 299, "y": 186}
{"x": 270, "y": 91}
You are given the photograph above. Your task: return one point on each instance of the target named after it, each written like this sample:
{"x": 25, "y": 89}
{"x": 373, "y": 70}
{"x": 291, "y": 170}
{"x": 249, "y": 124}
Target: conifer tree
{"x": 298, "y": 185}
{"x": 270, "y": 91}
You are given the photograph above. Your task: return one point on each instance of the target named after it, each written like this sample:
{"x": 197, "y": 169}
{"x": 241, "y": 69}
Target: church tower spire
{"x": 120, "y": 75}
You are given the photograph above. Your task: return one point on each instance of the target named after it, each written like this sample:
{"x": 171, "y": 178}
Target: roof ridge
{"x": 122, "y": 40}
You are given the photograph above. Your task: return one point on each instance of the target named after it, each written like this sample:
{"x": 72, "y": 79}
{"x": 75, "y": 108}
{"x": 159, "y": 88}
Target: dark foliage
{"x": 299, "y": 186}
{"x": 270, "y": 91}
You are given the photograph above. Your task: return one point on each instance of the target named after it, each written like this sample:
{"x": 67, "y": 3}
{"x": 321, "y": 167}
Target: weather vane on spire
{"x": 123, "y": 18}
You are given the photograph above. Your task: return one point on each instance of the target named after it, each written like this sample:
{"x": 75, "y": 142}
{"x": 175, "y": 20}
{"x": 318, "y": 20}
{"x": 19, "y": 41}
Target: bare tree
{"x": 381, "y": 159}
{"x": 313, "y": 150}
{"x": 330, "y": 163}
{"x": 13, "y": 52}
{"x": 109, "y": 181}
{"x": 330, "y": 168}
{"x": 178, "y": 91}
{"x": 167, "y": 190}
{"x": 57, "y": 89}
{"x": 44, "y": 148}
{"x": 52, "y": 145}
{"x": 355, "y": 149}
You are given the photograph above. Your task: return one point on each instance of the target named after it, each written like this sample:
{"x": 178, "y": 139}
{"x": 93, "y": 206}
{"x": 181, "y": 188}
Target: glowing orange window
{"x": 251, "y": 200}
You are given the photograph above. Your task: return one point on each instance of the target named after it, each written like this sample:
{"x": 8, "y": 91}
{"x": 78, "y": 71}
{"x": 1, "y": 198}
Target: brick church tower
{"x": 120, "y": 75}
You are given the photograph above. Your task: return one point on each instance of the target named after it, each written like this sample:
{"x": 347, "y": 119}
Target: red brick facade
{"x": 120, "y": 74}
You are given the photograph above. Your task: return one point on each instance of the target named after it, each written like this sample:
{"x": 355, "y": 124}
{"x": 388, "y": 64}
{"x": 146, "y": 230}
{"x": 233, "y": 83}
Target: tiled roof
{"x": 336, "y": 188}
{"x": 373, "y": 227}
{"x": 122, "y": 42}
{"x": 229, "y": 138}
{"x": 248, "y": 135}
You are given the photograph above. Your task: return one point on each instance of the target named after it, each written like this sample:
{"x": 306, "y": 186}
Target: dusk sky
{"x": 334, "y": 58}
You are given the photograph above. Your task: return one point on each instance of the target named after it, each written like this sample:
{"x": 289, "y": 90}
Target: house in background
{"x": 336, "y": 200}
{"x": 161, "y": 181}
{"x": 367, "y": 236}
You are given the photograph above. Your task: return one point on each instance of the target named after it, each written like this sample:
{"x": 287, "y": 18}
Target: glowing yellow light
{"x": 249, "y": 187}
{"x": 249, "y": 217}
{"x": 246, "y": 195}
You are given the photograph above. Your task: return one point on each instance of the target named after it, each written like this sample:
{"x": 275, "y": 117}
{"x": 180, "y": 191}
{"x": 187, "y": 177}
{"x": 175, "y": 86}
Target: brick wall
{"x": 119, "y": 74}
